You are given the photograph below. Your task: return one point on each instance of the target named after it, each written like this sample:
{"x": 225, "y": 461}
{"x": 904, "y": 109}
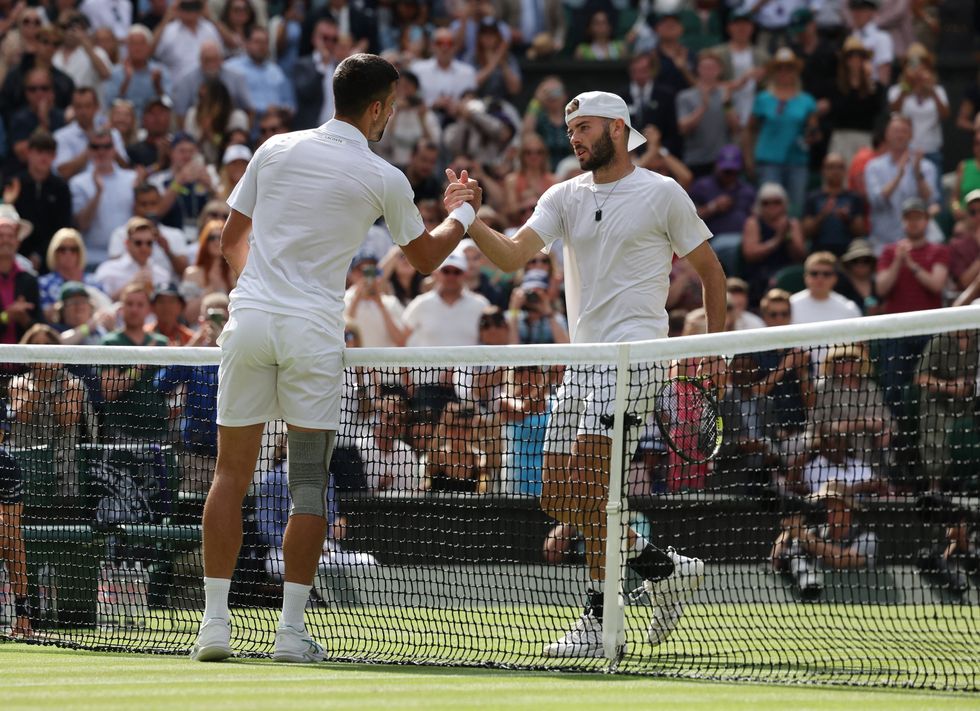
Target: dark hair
{"x": 145, "y": 187}
{"x": 41, "y": 140}
{"x": 359, "y": 81}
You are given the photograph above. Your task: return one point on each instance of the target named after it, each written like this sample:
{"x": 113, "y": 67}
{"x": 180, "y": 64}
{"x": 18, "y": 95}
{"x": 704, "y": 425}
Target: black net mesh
{"x": 834, "y": 537}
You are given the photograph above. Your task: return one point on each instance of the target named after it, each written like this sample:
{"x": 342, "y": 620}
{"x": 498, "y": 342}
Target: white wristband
{"x": 464, "y": 215}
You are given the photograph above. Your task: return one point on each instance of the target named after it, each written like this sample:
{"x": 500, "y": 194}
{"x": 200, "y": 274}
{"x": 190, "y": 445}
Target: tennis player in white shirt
{"x": 620, "y": 227}
{"x": 298, "y": 216}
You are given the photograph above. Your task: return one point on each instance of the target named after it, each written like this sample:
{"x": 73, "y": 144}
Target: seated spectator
{"x": 209, "y": 66}
{"x": 236, "y": 19}
{"x": 233, "y": 164}
{"x": 272, "y": 506}
{"x": 857, "y": 278}
{"x": 212, "y": 118}
{"x": 187, "y": 185}
{"x": 210, "y": 273}
{"x": 819, "y": 302}
{"x": 40, "y": 197}
{"x": 524, "y": 408}
{"x": 656, "y": 157}
{"x": 40, "y": 111}
{"x": 168, "y": 308}
{"x": 964, "y": 247}
{"x": 850, "y": 405}
{"x": 179, "y": 43}
{"x": 533, "y": 318}
{"x": 198, "y": 386}
{"x": 135, "y": 264}
{"x": 482, "y": 277}
{"x": 13, "y": 554}
{"x": 863, "y": 26}
{"x": 138, "y": 78}
{"x": 82, "y": 319}
{"x": 73, "y": 155}
{"x": 12, "y": 94}
{"x": 20, "y": 296}
{"x": 771, "y": 239}
{"x": 421, "y": 171}
{"x": 532, "y": 177}
{"x": 745, "y": 63}
{"x": 414, "y": 121}
{"x": 746, "y": 458}
{"x": 600, "y": 42}
{"x": 738, "y": 306}
{"x": 705, "y": 117}
{"x": 724, "y": 200}
{"x": 456, "y": 464}
{"x": 404, "y": 281}
{"x": 152, "y": 151}
{"x": 675, "y": 59}
{"x": 498, "y": 76}
{"x": 377, "y": 315}
{"x": 855, "y": 103}
{"x": 443, "y": 79}
{"x": 66, "y": 263}
{"x": 833, "y": 215}
{"x": 837, "y": 543}
{"x": 967, "y": 182}
{"x": 389, "y": 463}
{"x": 169, "y": 246}
{"x": 49, "y": 405}
{"x": 545, "y": 116}
{"x": 895, "y": 176}
{"x": 101, "y": 196}
{"x": 783, "y": 125}
{"x": 133, "y": 410}
{"x": 79, "y": 57}
{"x": 267, "y": 85}
{"x": 946, "y": 377}
{"x": 484, "y": 129}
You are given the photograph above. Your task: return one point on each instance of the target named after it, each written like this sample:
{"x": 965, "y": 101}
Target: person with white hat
{"x": 621, "y": 227}
{"x": 20, "y": 296}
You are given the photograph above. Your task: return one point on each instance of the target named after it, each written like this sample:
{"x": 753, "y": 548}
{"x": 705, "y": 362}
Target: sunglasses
{"x": 328, "y": 38}
{"x": 820, "y": 273}
{"x": 68, "y": 248}
{"x": 538, "y": 260}
{"x": 534, "y": 151}
{"x": 142, "y": 242}
{"x": 214, "y": 237}
{"x": 269, "y": 129}
{"x": 100, "y": 146}
{"x": 492, "y": 321}
{"x": 30, "y": 21}
{"x": 451, "y": 271}
{"x": 444, "y": 43}
{"x": 777, "y": 314}
{"x": 32, "y": 88}
{"x": 771, "y": 201}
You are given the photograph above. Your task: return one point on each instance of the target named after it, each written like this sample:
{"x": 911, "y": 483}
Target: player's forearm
{"x": 498, "y": 248}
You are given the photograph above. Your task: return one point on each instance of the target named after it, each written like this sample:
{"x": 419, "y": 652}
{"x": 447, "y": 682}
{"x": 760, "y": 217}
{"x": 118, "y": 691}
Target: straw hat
{"x": 24, "y": 227}
{"x": 854, "y": 44}
{"x": 786, "y": 57}
{"x": 857, "y": 249}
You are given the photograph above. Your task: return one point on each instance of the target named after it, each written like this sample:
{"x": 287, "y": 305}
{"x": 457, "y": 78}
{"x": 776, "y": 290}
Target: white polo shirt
{"x": 927, "y": 129}
{"x": 72, "y": 141}
{"x": 878, "y": 41}
{"x": 617, "y": 270}
{"x": 312, "y": 197}
{"x": 369, "y": 319}
{"x": 179, "y": 48}
{"x": 114, "y": 274}
{"x": 435, "y": 81}
{"x": 436, "y": 323}
{"x": 806, "y": 309}
{"x": 175, "y": 238}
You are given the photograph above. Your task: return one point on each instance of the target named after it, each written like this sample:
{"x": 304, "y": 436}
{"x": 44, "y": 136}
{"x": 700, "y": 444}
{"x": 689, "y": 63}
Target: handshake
{"x": 462, "y": 198}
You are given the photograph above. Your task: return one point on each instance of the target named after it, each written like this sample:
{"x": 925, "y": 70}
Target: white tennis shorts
{"x": 586, "y": 400}
{"x": 278, "y": 367}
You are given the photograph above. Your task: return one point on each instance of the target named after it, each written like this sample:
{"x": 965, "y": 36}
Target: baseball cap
{"x": 914, "y": 204}
{"x": 234, "y": 152}
{"x": 741, "y": 13}
{"x": 604, "y": 105}
{"x": 864, "y": 3}
{"x": 729, "y": 158}
{"x": 535, "y": 279}
{"x": 160, "y": 100}
{"x": 971, "y": 196}
{"x": 799, "y": 19}
{"x": 456, "y": 260}
{"x": 170, "y": 289}
{"x": 180, "y": 137}
{"x": 72, "y": 288}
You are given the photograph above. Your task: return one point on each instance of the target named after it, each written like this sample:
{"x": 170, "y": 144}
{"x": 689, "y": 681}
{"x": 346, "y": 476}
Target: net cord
{"x": 729, "y": 343}
{"x": 614, "y": 615}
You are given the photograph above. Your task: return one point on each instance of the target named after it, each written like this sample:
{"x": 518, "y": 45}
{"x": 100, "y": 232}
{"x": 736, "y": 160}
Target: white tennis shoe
{"x": 296, "y": 645}
{"x": 669, "y": 595}
{"x": 213, "y": 641}
{"x": 583, "y": 641}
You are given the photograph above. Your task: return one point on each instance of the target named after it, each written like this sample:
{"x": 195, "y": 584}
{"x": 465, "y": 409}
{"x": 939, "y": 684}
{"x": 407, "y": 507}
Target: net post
{"x": 614, "y": 628}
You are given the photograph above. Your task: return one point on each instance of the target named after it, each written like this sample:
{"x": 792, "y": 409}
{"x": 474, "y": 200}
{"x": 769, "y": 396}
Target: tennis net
{"x": 837, "y": 524}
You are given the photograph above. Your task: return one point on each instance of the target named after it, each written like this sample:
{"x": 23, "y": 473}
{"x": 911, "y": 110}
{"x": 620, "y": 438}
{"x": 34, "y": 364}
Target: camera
{"x": 533, "y": 298}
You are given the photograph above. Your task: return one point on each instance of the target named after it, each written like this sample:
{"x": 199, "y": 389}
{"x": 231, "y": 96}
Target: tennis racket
{"x": 688, "y": 417}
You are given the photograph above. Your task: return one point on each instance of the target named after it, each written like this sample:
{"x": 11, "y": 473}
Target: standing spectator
{"x": 66, "y": 263}
{"x": 745, "y": 63}
{"x": 919, "y": 96}
{"x": 179, "y": 39}
{"x": 858, "y": 276}
{"x": 79, "y": 57}
{"x": 377, "y": 315}
{"x": 116, "y": 15}
{"x": 652, "y": 101}
{"x": 724, "y": 200}
{"x": 444, "y": 79}
{"x": 600, "y": 42}
{"x": 267, "y": 85}
{"x": 72, "y": 155}
{"x": 703, "y": 116}
{"x": 169, "y": 245}
{"x": 357, "y": 21}
{"x": 389, "y": 463}
{"x": 312, "y": 79}
{"x": 414, "y": 121}
{"x": 138, "y": 78}
{"x": 135, "y": 264}
{"x": 13, "y": 96}
{"x": 739, "y": 316}
{"x": 771, "y": 240}
{"x": 187, "y": 185}
{"x": 41, "y": 197}
{"x": 40, "y": 112}
{"x": 702, "y": 25}
{"x": 274, "y": 123}
{"x": 967, "y": 181}
{"x": 532, "y": 177}
{"x": 911, "y": 276}
{"x": 542, "y": 22}
{"x": 233, "y": 164}
{"x": 819, "y": 302}
{"x": 404, "y": 281}
{"x": 213, "y": 118}
{"x": 209, "y": 66}
{"x": 20, "y": 297}
{"x": 819, "y": 56}
{"x": 101, "y": 196}
{"x": 134, "y": 411}
{"x": 774, "y": 18}
{"x": 210, "y": 273}
{"x": 152, "y": 151}
{"x": 497, "y": 73}
{"x": 675, "y": 59}
{"x": 855, "y": 102}
{"x": 783, "y": 125}
{"x": 533, "y": 318}
{"x": 964, "y": 248}
{"x": 879, "y": 42}
{"x": 894, "y": 177}
{"x": 168, "y": 308}
{"x": 833, "y": 215}
{"x": 236, "y": 20}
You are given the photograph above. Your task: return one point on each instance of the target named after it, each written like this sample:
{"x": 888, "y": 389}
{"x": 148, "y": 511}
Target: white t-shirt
{"x": 434, "y": 81}
{"x": 748, "y": 320}
{"x": 174, "y": 237}
{"x": 806, "y": 309}
{"x": 114, "y": 274}
{"x": 78, "y": 65}
{"x": 370, "y": 321}
{"x": 879, "y": 42}
{"x": 179, "y": 48}
{"x": 617, "y": 270}
{"x": 399, "y": 465}
{"x": 436, "y": 323}
{"x": 312, "y": 197}
{"x": 927, "y": 131}
{"x": 72, "y": 141}
{"x": 819, "y": 470}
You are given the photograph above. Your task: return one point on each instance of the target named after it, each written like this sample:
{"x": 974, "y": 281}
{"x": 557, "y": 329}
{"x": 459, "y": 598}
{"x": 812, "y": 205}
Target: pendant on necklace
{"x": 598, "y": 215}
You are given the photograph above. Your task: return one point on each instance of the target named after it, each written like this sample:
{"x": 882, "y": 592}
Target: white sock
{"x": 638, "y": 546}
{"x": 294, "y": 598}
{"x": 216, "y": 598}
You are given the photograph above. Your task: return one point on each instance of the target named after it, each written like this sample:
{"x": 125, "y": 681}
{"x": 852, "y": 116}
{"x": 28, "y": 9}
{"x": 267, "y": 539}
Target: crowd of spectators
{"x": 808, "y": 134}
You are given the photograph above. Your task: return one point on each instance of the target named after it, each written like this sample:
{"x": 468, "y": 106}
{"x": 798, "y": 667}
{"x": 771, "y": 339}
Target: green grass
{"x": 39, "y": 678}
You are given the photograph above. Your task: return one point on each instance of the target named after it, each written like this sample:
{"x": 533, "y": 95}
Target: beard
{"x": 601, "y": 153}
{"x": 378, "y": 133}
